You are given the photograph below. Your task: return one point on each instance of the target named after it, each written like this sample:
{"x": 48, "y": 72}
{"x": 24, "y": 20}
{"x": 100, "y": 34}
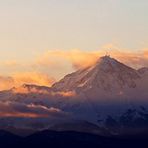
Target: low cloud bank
{"x": 15, "y": 109}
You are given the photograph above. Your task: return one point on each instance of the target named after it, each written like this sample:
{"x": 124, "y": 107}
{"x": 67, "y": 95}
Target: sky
{"x": 42, "y": 38}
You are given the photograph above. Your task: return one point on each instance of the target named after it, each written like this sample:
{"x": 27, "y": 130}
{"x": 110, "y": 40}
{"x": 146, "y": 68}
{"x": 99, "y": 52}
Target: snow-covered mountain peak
{"x": 106, "y": 74}
{"x": 108, "y": 64}
{"x": 106, "y": 58}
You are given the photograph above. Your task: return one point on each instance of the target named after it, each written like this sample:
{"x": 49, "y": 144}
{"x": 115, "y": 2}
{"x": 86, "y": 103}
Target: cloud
{"x": 146, "y": 53}
{"x": 64, "y": 93}
{"x": 36, "y": 78}
{"x": 6, "y": 82}
{"x": 29, "y": 89}
{"x": 52, "y": 65}
{"x": 77, "y": 58}
{"x": 15, "y": 109}
{"x": 134, "y": 59}
{"x": 81, "y": 59}
{"x": 33, "y": 89}
{"x": 20, "y": 78}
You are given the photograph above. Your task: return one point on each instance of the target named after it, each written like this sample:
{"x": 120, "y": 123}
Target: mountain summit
{"x": 106, "y": 75}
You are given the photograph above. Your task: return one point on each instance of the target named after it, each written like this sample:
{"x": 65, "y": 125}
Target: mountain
{"x": 107, "y": 79}
{"x": 110, "y": 88}
{"x": 79, "y": 139}
{"x": 107, "y": 74}
{"x": 107, "y": 94}
{"x": 72, "y": 139}
{"x": 7, "y": 139}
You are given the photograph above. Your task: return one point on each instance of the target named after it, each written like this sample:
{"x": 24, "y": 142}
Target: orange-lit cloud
{"x": 6, "y": 83}
{"x": 22, "y": 115}
{"x": 146, "y": 53}
{"x": 33, "y": 78}
{"x": 15, "y": 109}
{"x": 20, "y": 78}
{"x": 80, "y": 58}
{"x": 26, "y": 90}
{"x": 64, "y": 93}
{"x": 134, "y": 59}
{"x": 67, "y": 94}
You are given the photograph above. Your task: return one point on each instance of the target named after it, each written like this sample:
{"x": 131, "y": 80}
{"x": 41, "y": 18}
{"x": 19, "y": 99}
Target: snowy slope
{"x": 108, "y": 78}
{"x": 107, "y": 72}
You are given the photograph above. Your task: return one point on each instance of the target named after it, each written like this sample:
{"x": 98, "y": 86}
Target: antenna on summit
{"x": 108, "y": 55}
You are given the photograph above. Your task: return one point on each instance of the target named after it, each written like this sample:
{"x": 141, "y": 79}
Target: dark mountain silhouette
{"x": 46, "y": 139}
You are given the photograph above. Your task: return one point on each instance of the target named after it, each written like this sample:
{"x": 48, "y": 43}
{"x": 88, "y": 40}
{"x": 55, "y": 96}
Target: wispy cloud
{"x": 79, "y": 58}
{"x": 37, "y": 78}
{"x": 19, "y": 78}
{"x": 15, "y": 109}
